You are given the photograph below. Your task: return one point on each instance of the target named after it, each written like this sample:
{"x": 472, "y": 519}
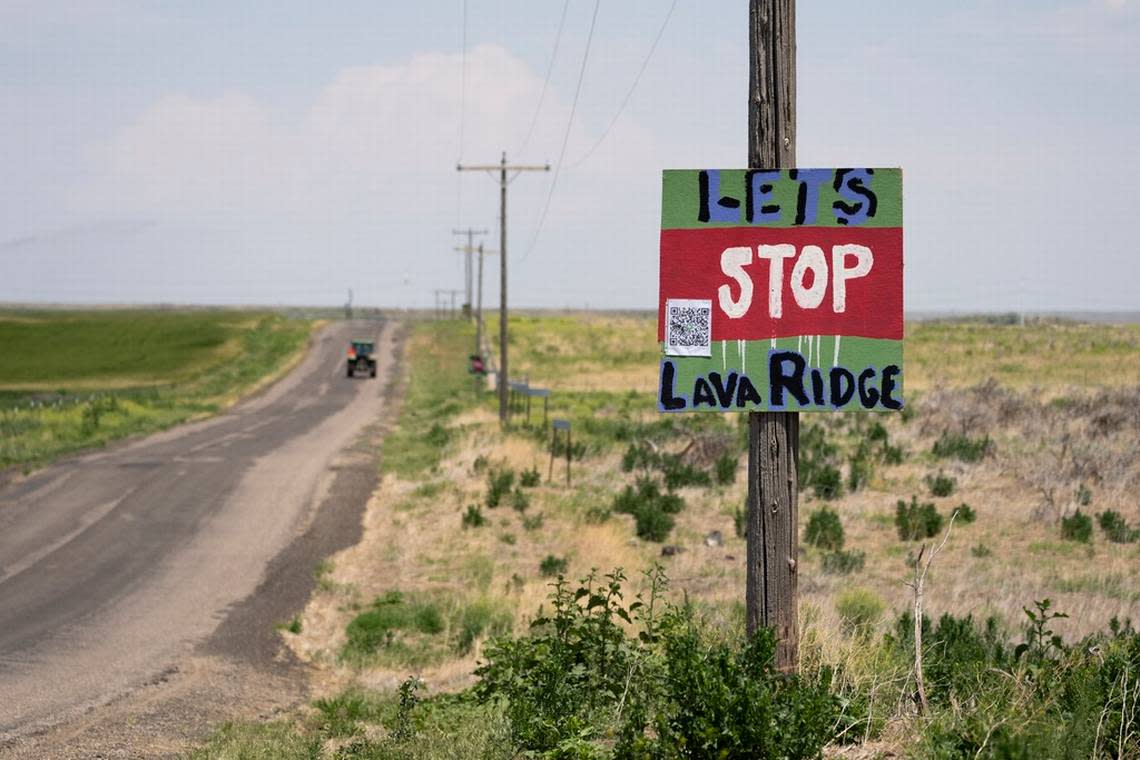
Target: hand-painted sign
{"x": 781, "y": 290}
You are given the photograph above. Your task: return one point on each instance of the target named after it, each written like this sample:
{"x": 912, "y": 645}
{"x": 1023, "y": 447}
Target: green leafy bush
{"x": 916, "y": 521}
{"x": 532, "y": 522}
{"x": 1083, "y": 495}
{"x": 473, "y": 517}
{"x": 577, "y": 685}
{"x": 1042, "y": 699}
{"x": 520, "y": 502}
{"x": 962, "y": 447}
{"x": 552, "y": 566}
{"x": 981, "y": 551}
{"x": 843, "y": 562}
{"x": 824, "y": 530}
{"x": 1115, "y": 528}
{"x": 499, "y": 484}
{"x": 1077, "y": 527}
{"x": 940, "y": 485}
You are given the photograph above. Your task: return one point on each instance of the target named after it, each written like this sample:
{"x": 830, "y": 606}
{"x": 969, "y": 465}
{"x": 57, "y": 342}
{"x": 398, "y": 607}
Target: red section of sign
{"x": 691, "y": 268}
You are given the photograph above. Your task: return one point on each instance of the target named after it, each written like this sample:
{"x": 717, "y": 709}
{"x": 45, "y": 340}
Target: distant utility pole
{"x": 479, "y": 303}
{"x": 502, "y": 168}
{"x": 773, "y": 437}
{"x": 468, "y": 249}
{"x": 478, "y": 307}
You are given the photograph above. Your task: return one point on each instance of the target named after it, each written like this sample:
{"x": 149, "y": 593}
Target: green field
{"x": 75, "y": 379}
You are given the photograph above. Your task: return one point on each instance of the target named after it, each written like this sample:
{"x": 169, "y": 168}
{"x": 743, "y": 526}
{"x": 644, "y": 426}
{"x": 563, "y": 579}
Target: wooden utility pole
{"x": 477, "y": 307}
{"x": 479, "y": 302}
{"x": 468, "y": 250}
{"x": 773, "y": 437}
{"x": 502, "y": 168}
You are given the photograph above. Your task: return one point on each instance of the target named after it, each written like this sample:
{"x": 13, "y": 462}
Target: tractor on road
{"x": 360, "y": 358}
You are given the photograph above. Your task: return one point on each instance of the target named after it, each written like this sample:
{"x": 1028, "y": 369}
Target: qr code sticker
{"x": 688, "y": 327}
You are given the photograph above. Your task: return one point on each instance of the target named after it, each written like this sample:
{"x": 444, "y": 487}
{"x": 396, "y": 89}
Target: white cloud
{"x": 369, "y": 165}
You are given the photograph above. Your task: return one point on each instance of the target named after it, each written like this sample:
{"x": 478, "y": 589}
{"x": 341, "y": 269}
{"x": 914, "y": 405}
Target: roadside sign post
{"x": 781, "y": 291}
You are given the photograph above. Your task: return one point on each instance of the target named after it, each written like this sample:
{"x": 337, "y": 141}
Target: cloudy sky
{"x": 229, "y": 151}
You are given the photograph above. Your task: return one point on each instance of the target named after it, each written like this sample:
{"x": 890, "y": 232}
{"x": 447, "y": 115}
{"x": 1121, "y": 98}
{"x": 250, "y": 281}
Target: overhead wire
{"x": 546, "y": 82}
{"x": 462, "y": 110}
{"x": 569, "y": 124}
{"x": 629, "y": 94}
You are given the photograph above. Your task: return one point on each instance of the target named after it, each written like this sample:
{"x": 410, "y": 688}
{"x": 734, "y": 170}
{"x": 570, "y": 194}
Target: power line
{"x": 569, "y": 124}
{"x": 549, "y": 69}
{"x": 629, "y": 94}
{"x": 463, "y": 81}
{"x": 462, "y": 109}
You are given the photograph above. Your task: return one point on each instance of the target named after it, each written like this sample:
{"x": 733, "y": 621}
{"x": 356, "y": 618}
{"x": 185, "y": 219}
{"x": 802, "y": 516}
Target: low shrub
{"x": 552, "y": 566}
{"x": 1083, "y": 495}
{"x": 843, "y": 562}
{"x": 640, "y": 456}
{"x": 893, "y": 454}
{"x": 824, "y": 530}
{"x": 740, "y": 522}
{"x": 376, "y": 627}
{"x": 530, "y": 478}
{"x": 962, "y": 447}
{"x": 916, "y": 521}
{"x": 520, "y": 502}
{"x": 473, "y": 517}
{"x": 859, "y": 609}
{"x": 725, "y": 469}
{"x": 981, "y": 551}
{"x": 827, "y": 482}
{"x": 965, "y": 513}
{"x": 1077, "y": 527}
{"x": 940, "y": 485}
{"x": 679, "y": 473}
{"x": 652, "y": 509}
{"x": 817, "y": 465}
{"x": 499, "y": 484}
{"x": 438, "y": 436}
{"x": 532, "y": 522}
{"x": 861, "y": 466}
{"x": 1115, "y": 528}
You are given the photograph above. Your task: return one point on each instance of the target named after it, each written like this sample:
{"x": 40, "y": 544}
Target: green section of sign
{"x": 681, "y": 206}
{"x": 751, "y": 359}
